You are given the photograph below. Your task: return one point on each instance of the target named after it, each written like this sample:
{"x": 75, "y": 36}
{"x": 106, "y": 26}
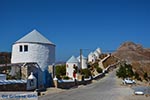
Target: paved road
{"x": 104, "y": 89}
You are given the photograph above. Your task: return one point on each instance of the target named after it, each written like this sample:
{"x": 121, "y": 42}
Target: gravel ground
{"x": 127, "y": 93}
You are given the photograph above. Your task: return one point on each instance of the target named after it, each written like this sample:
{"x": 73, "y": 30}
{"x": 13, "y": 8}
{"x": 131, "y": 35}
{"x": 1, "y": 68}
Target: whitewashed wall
{"x": 43, "y": 54}
{"x": 70, "y": 69}
{"x": 96, "y": 54}
{"x": 84, "y": 62}
{"x": 99, "y": 51}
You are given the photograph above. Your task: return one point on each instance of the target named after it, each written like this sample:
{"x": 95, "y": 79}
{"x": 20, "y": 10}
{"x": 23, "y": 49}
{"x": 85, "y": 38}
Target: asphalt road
{"x": 104, "y": 89}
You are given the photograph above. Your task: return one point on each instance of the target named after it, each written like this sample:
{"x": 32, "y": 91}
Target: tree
{"x": 86, "y": 73}
{"x": 96, "y": 66}
{"x": 125, "y": 71}
{"x": 99, "y": 70}
{"x": 129, "y": 71}
{"x": 60, "y": 71}
{"x": 75, "y": 68}
{"x": 121, "y": 72}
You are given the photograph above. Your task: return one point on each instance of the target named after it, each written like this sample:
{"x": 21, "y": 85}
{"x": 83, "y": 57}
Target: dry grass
{"x": 141, "y": 67}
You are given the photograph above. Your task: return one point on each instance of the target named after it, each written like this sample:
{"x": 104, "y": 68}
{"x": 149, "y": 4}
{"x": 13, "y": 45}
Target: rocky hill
{"x": 136, "y": 55}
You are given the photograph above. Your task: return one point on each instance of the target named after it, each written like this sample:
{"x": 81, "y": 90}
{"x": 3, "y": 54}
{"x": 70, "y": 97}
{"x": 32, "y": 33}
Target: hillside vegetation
{"x": 5, "y": 57}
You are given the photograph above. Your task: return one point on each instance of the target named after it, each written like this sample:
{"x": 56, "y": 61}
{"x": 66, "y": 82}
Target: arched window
{"x": 31, "y": 82}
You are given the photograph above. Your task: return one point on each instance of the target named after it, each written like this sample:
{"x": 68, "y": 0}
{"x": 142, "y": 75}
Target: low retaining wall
{"x": 99, "y": 76}
{"x": 72, "y": 83}
{"x": 13, "y": 87}
{"x": 66, "y": 84}
{"x": 85, "y": 82}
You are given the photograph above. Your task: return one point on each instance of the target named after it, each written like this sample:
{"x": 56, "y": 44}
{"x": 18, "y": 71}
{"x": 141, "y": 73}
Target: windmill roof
{"x": 34, "y": 37}
{"x": 72, "y": 60}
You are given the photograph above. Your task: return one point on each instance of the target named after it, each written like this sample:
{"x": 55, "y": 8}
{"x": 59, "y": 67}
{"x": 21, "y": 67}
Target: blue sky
{"x": 75, "y": 24}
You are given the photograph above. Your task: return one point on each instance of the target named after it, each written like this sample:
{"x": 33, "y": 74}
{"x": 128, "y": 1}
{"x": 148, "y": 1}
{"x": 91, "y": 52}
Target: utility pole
{"x": 81, "y": 58}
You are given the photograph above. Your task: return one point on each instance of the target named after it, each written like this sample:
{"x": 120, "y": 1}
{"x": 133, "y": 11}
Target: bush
{"x": 95, "y": 65}
{"x": 66, "y": 77}
{"x": 60, "y": 71}
{"x": 125, "y": 71}
{"x": 99, "y": 70}
{"x": 121, "y": 72}
{"x": 86, "y": 73}
{"x": 75, "y": 69}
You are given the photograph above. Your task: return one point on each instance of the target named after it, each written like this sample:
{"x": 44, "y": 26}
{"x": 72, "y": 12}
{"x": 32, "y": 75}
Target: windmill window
{"x": 25, "y": 48}
{"x": 20, "y": 48}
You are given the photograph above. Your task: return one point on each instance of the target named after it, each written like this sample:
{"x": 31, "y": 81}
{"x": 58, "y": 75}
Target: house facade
{"x": 70, "y": 67}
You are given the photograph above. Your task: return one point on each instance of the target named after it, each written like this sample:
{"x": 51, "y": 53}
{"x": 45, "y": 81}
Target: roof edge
{"x": 35, "y": 43}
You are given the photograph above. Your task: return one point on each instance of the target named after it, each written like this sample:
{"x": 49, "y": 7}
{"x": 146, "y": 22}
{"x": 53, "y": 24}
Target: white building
{"x": 91, "y": 57}
{"x": 70, "y": 64}
{"x": 84, "y": 62}
{"x": 96, "y": 54}
{"x": 99, "y": 51}
{"x": 34, "y": 47}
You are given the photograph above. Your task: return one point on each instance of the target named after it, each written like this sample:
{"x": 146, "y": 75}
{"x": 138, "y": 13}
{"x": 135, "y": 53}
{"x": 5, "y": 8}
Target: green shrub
{"x": 75, "y": 69}
{"x": 58, "y": 76}
{"x": 95, "y": 65}
{"x": 66, "y": 77}
{"x": 125, "y": 71}
{"x": 99, "y": 70}
{"x": 60, "y": 70}
{"x": 86, "y": 73}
